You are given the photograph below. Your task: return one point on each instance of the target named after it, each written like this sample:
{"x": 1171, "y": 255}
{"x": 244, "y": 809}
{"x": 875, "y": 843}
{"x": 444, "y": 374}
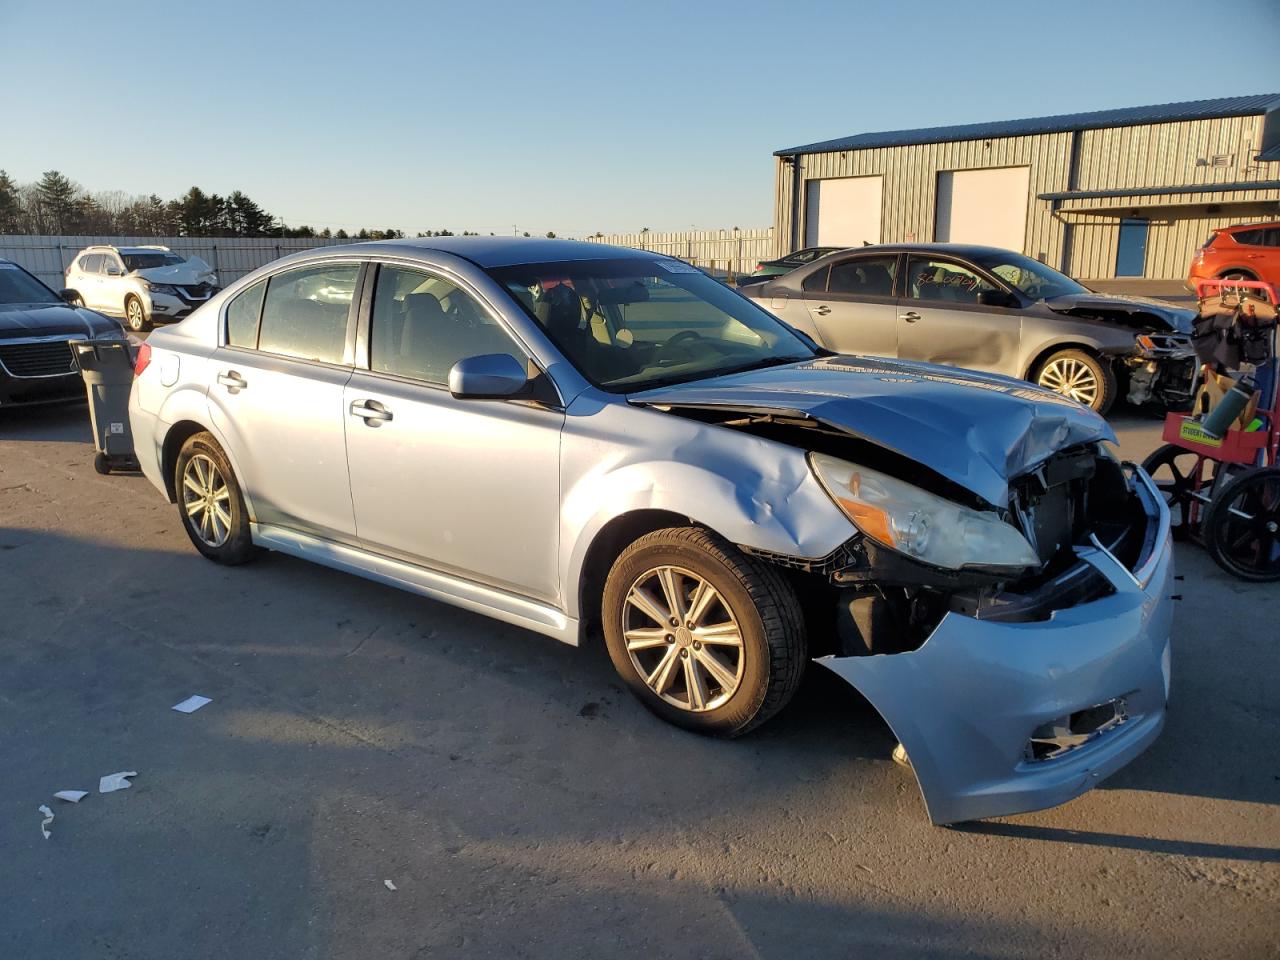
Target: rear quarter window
{"x": 243, "y": 314}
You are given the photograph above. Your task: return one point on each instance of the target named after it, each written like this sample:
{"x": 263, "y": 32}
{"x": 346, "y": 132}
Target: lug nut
{"x": 675, "y": 622}
{"x": 684, "y": 653}
{"x": 697, "y": 645}
{"x": 670, "y": 638}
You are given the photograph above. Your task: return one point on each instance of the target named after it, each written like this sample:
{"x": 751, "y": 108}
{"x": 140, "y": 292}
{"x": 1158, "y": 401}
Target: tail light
{"x": 142, "y": 360}
{"x": 759, "y": 266}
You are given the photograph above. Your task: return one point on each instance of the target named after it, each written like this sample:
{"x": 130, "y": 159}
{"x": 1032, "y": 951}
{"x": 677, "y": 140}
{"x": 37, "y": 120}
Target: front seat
{"x": 424, "y": 326}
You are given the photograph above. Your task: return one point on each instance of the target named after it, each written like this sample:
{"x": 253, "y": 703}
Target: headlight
{"x": 919, "y": 524}
{"x": 159, "y": 287}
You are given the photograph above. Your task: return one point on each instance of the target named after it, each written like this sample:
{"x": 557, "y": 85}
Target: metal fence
{"x": 732, "y": 252}
{"x": 230, "y": 257}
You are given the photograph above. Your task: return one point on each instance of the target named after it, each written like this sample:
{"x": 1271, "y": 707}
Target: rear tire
{"x": 210, "y": 502}
{"x": 134, "y": 314}
{"x": 1237, "y": 275}
{"x": 1242, "y": 526}
{"x": 1081, "y": 376}
{"x": 744, "y": 656}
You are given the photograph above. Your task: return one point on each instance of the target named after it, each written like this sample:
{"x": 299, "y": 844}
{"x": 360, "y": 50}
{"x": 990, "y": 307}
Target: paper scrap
{"x": 71, "y": 796}
{"x": 116, "y": 781}
{"x": 48, "y": 819}
{"x": 192, "y": 704}
{"x": 386, "y": 883}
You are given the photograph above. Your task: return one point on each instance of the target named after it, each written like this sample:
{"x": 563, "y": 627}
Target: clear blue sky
{"x": 565, "y": 116}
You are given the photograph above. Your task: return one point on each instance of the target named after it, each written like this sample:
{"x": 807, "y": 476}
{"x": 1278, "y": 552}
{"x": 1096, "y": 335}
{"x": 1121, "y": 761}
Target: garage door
{"x": 843, "y": 212}
{"x": 984, "y": 206}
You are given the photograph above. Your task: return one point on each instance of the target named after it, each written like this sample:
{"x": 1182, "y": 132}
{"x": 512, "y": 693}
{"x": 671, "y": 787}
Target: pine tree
{"x": 10, "y": 210}
{"x": 57, "y": 197}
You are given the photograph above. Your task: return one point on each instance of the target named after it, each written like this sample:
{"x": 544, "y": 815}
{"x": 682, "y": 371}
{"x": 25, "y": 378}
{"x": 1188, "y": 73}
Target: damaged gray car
{"x": 992, "y": 310}
{"x": 585, "y": 440}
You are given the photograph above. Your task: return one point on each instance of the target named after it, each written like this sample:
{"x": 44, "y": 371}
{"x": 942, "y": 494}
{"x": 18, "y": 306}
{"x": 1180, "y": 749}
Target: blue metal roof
{"x": 1124, "y": 117}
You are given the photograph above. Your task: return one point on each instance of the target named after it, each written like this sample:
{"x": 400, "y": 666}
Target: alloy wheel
{"x": 133, "y": 312}
{"x": 1072, "y": 378}
{"x": 683, "y": 639}
{"x": 206, "y": 500}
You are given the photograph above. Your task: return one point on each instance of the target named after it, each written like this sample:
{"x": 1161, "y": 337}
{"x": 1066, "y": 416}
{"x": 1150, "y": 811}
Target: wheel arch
{"x": 177, "y": 435}
{"x": 1073, "y": 343}
{"x": 1224, "y": 271}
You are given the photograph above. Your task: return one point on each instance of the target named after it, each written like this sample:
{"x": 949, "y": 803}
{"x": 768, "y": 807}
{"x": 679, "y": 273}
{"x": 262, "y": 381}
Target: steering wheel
{"x": 682, "y": 335}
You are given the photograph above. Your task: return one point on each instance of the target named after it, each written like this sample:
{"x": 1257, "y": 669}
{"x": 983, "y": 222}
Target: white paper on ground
{"x": 116, "y": 781}
{"x": 48, "y": 819}
{"x": 192, "y": 704}
{"x": 71, "y": 796}
{"x": 386, "y": 883}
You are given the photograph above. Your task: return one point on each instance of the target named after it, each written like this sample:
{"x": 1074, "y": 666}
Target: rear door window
{"x": 242, "y": 316}
{"x": 91, "y": 263}
{"x": 305, "y": 312}
{"x": 864, "y": 276}
{"x": 1249, "y": 238}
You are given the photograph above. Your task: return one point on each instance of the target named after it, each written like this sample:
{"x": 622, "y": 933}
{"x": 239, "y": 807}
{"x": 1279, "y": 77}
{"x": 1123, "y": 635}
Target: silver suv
{"x": 140, "y": 284}
{"x": 585, "y": 440}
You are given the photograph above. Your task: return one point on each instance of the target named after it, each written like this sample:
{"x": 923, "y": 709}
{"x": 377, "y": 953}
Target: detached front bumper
{"x": 970, "y": 704}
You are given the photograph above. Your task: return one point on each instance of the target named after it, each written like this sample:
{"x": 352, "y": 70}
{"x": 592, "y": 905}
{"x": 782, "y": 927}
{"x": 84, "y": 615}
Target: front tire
{"x": 134, "y": 314}
{"x": 210, "y": 502}
{"x": 1081, "y": 376}
{"x": 707, "y": 638}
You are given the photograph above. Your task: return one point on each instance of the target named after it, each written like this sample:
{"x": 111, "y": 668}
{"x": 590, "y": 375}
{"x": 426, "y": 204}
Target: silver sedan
{"x": 585, "y": 440}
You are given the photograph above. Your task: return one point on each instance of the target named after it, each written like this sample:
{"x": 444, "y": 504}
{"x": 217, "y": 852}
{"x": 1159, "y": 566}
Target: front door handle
{"x": 370, "y": 411}
{"x": 232, "y": 381}
{"x": 910, "y": 316}
{"x": 822, "y": 311}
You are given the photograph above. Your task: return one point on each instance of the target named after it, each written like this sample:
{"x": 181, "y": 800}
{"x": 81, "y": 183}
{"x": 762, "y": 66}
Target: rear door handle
{"x": 232, "y": 381}
{"x": 370, "y": 411}
{"x": 822, "y": 311}
{"x": 910, "y": 316}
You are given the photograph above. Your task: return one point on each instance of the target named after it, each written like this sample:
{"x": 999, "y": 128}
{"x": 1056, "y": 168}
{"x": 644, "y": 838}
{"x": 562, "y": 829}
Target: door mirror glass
{"x": 113, "y": 270}
{"x": 491, "y": 376}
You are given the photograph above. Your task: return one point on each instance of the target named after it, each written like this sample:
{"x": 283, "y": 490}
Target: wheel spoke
{"x": 194, "y": 507}
{"x": 191, "y": 485}
{"x": 717, "y": 668}
{"x": 726, "y": 634}
{"x": 223, "y": 516}
{"x": 671, "y": 592}
{"x": 704, "y": 595}
{"x": 660, "y": 678}
{"x": 642, "y": 601}
{"x": 694, "y": 685}
{"x": 645, "y": 638}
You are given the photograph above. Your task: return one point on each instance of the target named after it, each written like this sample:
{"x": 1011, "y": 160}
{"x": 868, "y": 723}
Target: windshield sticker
{"x": 676, "y": 266}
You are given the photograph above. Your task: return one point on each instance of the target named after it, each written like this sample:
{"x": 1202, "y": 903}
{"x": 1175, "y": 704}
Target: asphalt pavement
{"x": 519, "y": 802}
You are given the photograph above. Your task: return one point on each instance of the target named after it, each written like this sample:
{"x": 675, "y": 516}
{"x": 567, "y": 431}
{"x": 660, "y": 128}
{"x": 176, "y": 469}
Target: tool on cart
{"x": 107, "y": 369}
{"x": 1220, "y": 466}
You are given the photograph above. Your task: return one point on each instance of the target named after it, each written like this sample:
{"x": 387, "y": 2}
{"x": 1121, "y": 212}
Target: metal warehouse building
{"x": 1113, "y": 193}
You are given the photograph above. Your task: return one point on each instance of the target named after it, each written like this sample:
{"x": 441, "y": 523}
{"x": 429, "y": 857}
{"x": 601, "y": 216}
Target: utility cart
{"x": 1225, "y": 491}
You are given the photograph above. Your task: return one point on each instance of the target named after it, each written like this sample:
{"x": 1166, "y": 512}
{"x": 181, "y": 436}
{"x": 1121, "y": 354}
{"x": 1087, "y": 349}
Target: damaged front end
{"x": 1013, "y": 691}
{"x": 1012, "y": 695}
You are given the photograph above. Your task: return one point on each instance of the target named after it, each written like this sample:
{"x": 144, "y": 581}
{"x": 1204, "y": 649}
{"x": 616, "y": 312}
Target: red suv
{"x": 1247, "y": 251}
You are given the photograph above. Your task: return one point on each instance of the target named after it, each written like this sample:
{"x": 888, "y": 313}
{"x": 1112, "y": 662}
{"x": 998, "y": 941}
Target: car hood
{"x": 192, "y": 272}
{"x": 1143, "y": 313}
{"x": 977, "y": 430}
{"x": 51, "y": 320}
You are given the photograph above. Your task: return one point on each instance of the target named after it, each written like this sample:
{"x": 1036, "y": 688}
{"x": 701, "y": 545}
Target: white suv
{"x": 141, "y": 284}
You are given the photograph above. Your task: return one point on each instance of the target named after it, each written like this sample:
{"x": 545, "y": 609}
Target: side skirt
{"x": 499, "y": 604}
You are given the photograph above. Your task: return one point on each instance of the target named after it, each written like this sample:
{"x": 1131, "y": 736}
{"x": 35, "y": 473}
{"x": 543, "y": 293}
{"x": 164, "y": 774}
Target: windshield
{"x": 145, "y": 261}
{"x": 18, "y": 286}
{"x": 632, "y": 324}
{"x": 1032, "y": 277}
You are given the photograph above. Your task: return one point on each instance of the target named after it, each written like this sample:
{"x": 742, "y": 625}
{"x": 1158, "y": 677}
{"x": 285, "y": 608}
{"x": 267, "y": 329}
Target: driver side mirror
{"x": 998, "y": 298}
{"x": 113, "y": 271}
{"x": 491, "y": 376}
{"x": 67, "y": 295}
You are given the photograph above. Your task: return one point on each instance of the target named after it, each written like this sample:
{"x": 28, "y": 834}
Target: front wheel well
{"x": 608, "y": 543}
{"x": 178, "y": 435}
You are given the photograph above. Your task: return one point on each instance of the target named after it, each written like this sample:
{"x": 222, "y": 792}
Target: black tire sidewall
{"x": 746, "y": 701}
{"x": 239, "y": 545}
{"x": 1215, "y": 521}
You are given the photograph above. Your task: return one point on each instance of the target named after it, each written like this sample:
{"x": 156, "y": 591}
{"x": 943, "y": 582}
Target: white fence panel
{"x": 734, "y": 252}
{"x": 230, "y": 257}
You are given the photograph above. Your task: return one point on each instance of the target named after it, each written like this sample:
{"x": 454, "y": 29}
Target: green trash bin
{"x": 107, "y": 369}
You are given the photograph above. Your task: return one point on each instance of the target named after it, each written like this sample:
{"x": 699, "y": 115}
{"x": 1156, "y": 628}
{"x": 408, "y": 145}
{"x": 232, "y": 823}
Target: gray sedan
{"x": 584, "y": 440}
{"x": 989, "y": 309}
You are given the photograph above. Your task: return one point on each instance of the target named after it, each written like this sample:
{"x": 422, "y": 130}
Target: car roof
{"x": 1261, "y": 225}
{"x": 496, "y": 251}
{"x": 970, "y": 250}
{"x": 137, "y": 249}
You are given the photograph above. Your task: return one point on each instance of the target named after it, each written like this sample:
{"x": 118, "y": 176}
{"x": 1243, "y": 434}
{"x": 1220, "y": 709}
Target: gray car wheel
{"x": 1081, "y": 376}
{"x": 706, "y": 637}
{"x": 134, "y": 314}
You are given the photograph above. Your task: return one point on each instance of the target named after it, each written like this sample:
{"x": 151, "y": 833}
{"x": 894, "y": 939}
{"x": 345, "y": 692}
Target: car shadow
{"x": 1120, "y": 841}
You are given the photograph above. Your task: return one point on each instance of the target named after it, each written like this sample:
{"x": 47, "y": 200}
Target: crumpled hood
{"x": 51, "y": 320}
{"x": 193, "y": 272}
{"x": 978, "y": 430}
{"x": 1162, "y": 316}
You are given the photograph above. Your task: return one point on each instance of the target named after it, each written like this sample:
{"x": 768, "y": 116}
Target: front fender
{"x": 753, "y": 492}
